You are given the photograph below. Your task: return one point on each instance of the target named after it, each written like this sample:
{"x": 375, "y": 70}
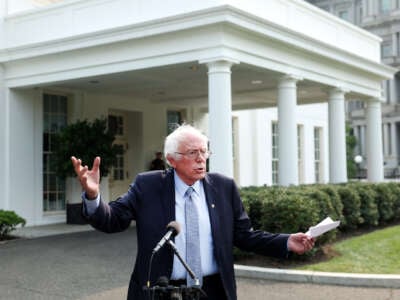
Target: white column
{"x": 287, "y": 128}
{"x": 374, "y": 141}
{"x": 385, "y": 140}
{"x": 363, "y": 152}
{"x": 393, "y": 139}
{"x": 337, "y": 137}
{"x": 220, "y": 116}
{"x": 4, "y": 143}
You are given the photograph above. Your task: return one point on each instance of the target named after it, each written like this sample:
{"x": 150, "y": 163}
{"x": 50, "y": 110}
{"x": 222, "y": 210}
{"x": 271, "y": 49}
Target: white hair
{"x": 177, "y": 137}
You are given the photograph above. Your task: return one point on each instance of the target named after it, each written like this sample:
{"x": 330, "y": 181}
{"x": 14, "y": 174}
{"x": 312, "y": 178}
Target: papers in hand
{"x": 322, "y": 227}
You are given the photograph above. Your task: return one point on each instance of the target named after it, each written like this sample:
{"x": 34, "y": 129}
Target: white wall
{"x": 25, "y": 174}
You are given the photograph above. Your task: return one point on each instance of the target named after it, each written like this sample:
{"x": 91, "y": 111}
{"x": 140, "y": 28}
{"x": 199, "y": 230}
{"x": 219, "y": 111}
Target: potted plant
{"x": 84, "y": 140}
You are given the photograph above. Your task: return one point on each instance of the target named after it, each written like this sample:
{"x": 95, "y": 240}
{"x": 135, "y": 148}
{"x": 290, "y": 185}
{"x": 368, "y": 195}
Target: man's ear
{"x": 171, "y": 160}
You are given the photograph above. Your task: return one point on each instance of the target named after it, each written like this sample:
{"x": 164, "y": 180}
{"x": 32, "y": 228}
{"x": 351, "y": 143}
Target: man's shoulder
{"x": 155, "y": 175}
{"x": 218, "y": 178}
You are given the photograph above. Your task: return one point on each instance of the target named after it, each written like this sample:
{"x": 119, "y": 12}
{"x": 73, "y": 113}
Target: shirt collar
{"x": 182, "y": 187}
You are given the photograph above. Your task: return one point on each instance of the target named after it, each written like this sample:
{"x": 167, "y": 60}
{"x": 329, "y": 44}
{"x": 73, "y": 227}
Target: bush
{"x": 253, "y": 204}
{"x": 325, "y": 209}
{"x": 288, "y": 210}
{"x": 395, "y": 190}
{"x": 9, "y": 220}
{"x": 385, "y": 201}
{"x": 337, "y": 205}
{"x": 351, "y": 207}
{"x": 85, "y": 140}
{"x": 368, "y": 206}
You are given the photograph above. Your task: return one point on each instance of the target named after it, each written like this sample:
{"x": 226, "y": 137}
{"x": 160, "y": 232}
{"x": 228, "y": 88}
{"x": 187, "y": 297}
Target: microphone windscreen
{"x": 162, "y": 281}
{"x": 174, "y": 225}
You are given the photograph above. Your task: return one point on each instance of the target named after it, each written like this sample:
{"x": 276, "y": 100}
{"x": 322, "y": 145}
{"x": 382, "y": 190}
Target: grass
{"x": 376, "y": 252}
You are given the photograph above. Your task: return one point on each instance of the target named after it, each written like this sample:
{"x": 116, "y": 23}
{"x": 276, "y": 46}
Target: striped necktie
{"x": 193, "y": 257}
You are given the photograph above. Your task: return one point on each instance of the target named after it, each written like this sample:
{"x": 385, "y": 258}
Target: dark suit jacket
{"x": 150, "y": 201}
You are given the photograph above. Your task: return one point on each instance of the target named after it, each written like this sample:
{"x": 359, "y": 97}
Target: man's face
{"x": 190, "y": 169}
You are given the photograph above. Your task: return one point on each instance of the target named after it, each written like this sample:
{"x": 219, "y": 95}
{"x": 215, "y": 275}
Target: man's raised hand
{"x": 89, "y": 179}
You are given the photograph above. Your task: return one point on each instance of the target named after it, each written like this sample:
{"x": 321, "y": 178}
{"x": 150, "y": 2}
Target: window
{"x": 275, "y": 153}
{"x": 317, "y": 154}
{"x": 385, "y": 6}
{"x": 386, "y": 49}
{"x": 119, "y": 166}
{"x": 235, "y": 148}
{"x": 300, "y": 152}
{"x": 54, "y": 119}
{"x": 386, "y": 90}
{"x": 344, "y": 15}
{"x": 116, "y": 124}
{"x": 174, "y": 118}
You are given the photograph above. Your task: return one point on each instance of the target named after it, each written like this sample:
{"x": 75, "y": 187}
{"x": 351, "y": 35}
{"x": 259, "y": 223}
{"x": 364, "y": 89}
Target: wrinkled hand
{"x": 300, "y": 243}
{"x": 89, "y": 179}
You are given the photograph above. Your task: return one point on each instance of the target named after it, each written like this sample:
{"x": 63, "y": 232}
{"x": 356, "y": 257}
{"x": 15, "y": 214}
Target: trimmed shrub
{"x": 368, "y": 206}
{"x": 385, "y": 201}
{"x": 394, "y": 187}
{"x": 252, "y": 203}
{"x": 351, "y": 207}
{"x": 288, "y": 210}
{"x": 337, "y": 205}
{"x": 9, "y": 220}
{"x": 325, "y": 209}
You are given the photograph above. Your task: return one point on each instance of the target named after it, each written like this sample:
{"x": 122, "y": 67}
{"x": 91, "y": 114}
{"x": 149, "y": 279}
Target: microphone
{"x": 173, "y": 230}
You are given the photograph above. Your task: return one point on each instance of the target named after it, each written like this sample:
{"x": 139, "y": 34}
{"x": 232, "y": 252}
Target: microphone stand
{"x": 196, "y": 280}
{"x": 163, "y": 291}
{"x": 197, "y": 289}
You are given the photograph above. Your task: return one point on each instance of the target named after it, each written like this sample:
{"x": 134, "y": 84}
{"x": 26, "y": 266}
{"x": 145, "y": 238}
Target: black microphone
{"x": 173, "y": 230}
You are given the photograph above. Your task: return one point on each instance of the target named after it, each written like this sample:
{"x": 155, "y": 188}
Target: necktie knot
{"x": 189, "y": 192}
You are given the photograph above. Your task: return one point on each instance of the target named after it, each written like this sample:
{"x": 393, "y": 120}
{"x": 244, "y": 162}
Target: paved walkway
{"x": 47, "y": 263}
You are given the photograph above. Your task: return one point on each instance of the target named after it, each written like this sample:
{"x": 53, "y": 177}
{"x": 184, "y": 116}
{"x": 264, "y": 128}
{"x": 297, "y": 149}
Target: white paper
{"x": 322, "y": 227}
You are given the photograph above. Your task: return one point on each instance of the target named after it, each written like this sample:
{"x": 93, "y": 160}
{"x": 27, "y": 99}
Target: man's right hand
{"x": 89, "y": 179}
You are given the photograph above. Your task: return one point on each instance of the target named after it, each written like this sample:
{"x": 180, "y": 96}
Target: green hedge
{"x": 296, "y": 208}
{"x": 9, "y": 220}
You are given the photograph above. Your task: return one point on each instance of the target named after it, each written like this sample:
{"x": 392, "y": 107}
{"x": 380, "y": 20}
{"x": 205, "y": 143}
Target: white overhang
{"x": 161, "y": 46}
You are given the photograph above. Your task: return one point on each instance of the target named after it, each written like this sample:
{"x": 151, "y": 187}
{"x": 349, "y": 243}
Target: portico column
{"x": 220, "y": 116}
{"x": 3, "y": 8}
{"x": 374, "y": 141}
{"x": 4, "y": 143}
{"x": 287, "y": 128}
{"x": 337, "y": 137}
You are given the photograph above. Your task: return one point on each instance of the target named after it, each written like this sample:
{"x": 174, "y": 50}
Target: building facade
{"x": 267, "y": 82}
{"x": 382, "y": 18}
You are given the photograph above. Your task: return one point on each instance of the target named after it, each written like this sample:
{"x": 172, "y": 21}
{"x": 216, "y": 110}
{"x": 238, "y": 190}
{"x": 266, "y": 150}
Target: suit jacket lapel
{"x": 212, "y": 203}
{"x": 168, "y": 197}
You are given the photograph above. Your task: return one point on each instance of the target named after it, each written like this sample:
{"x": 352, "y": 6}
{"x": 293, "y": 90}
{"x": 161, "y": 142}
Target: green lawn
{"x": 377, "y": 252}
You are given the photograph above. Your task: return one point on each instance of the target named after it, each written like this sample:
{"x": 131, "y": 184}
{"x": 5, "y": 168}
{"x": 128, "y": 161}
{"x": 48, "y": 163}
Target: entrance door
{"x": 127, "y": 126}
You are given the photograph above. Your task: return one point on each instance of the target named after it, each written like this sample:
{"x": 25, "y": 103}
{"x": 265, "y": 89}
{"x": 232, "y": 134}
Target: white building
{"x": 382, "y": 19}
{"x": 148, "y": 63}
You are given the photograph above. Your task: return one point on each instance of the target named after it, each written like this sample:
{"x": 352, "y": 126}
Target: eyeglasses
{"x": 193, "y": 154}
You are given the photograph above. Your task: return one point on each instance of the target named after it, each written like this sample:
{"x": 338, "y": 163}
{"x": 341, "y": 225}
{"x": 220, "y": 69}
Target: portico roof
{"x": 160, "y": 55}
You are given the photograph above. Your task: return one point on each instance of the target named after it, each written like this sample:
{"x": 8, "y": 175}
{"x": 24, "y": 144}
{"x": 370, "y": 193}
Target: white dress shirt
{"x": 208, "y": 263}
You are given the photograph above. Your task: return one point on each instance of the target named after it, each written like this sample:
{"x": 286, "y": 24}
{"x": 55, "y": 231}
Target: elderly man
{"x": 206, "y": 205}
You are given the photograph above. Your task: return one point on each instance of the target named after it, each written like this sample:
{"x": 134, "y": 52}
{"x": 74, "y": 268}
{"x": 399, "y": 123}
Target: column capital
{"x": 289, "y": 80}
{"x": 219, "y": 60}
{"x": 337, "y": 89}
{"x": 291, "y": 77}
{"x": 376, "y": 100}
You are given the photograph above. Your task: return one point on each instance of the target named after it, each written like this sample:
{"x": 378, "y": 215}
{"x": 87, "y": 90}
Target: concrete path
{"x": 90, "y": 265}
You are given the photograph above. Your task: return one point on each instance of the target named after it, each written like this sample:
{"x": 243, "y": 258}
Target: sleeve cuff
{"x": 90, "y": 206}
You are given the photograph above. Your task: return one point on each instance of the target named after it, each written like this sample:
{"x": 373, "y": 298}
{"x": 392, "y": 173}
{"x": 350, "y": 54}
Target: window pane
{"x": 54, "y": 118}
